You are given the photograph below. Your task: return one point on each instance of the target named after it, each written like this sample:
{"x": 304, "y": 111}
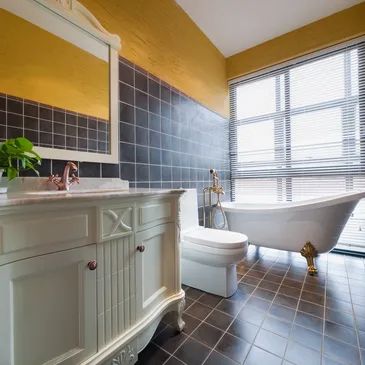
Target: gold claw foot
{"x": 309, "y": 252}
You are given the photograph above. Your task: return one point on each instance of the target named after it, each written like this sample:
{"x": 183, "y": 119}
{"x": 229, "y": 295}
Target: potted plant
{"x": 16, "y": 154}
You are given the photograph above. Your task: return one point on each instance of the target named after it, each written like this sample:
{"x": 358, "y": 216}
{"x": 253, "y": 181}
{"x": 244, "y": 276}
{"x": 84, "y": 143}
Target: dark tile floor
{"x": 279, "y": 315}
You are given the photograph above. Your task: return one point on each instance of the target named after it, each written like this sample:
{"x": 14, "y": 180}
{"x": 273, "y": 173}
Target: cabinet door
{"x": 155, "y": 266}
{"x": 48, "y": 309}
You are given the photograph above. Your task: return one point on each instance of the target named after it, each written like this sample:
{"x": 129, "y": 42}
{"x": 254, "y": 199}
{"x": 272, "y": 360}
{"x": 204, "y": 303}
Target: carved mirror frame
{"x": 71, "y": 21}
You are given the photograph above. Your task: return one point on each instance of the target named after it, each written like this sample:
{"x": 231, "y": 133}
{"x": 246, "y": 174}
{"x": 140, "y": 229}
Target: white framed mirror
{"x": 60, "y": 69}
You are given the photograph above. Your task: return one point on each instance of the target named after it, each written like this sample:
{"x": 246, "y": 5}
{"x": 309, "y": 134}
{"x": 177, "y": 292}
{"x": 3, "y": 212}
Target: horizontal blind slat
{"x": 299, "y": 132}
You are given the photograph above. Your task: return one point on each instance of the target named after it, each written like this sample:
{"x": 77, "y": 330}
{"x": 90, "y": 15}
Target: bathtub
{"x": 309, "y": 227}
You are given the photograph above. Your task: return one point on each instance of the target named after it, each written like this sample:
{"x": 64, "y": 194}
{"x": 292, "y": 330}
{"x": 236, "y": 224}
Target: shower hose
{"x": 215, "y": 214}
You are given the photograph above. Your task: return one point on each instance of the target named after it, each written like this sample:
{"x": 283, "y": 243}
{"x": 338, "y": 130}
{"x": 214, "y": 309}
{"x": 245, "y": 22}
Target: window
{"x": 298, "y": 132}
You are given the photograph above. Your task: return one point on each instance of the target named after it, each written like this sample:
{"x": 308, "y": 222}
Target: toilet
{"x": 208, "y": 256}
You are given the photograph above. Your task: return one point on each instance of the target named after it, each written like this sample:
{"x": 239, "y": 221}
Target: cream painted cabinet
{"x": 87, "y": 281}
{"x": 48, "y": 309}
{"x": 155, "y": 261}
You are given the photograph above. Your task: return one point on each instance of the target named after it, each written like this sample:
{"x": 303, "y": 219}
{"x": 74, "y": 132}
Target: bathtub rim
{"x": 326, "y": 201}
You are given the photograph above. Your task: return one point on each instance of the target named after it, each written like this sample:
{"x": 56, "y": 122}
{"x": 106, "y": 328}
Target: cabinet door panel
{"x": 48, "y": 309}
{"x": 155, "y": 266}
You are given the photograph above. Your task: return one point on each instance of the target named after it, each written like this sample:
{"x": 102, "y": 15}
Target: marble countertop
{"x": 28, "y": 198}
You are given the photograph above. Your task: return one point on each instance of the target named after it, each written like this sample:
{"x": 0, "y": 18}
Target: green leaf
{"x": 12, "y": 173}
{"x": 17, "y": 154}
{"x": 24, "y": 144}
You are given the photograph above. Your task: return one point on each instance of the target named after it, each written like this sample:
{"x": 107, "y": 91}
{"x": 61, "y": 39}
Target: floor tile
{"x": 250, "y": 280}
{"x": 249, "y": 314}
{"x": 233, "y": 347}
{"x": 312, "y": 297}
{"x": 199, "y": 310}
{"x": 258, "y": 356}
{"x": 273, "y": 278}
{"x": 193, "y": 293}
{"x": 190, "y": 323}
{"x": 271, "y": 342}
{"x": 286, "y": 301}
{"x": 362, "y": 339}
{"x": 282, "y": 312}
{"x": 277, "y": 326}
{"x": 307, "y": 337}
{"x": 346, "y": 319}
{"x": 210, "y": 300}
{"x": 267, "y": 327}
{"x": 339, "y": 305}
{"x": 192, "y": 352}
{"x": 207, "y": 334}
{"x": 258, "y": 303}
{"x": 311, "y": 308}
{"x": 311, "y": 322}
{"x": 328, "y": 361}
{"x": 152, "y": 355}
{"x": 268, "y": 285}
{"x": 173, "y": 361}
{"x": 229, "y": 307}
{"x": 301, "y": 355}
{"x": 169, "y": 339}
{"x": 219, "y": 319}
{"x": 264, "y": 294}
{"x": 291, "y": 292}
{"x": 341, "y": 333}
{"x": 341, "y": 351}
{"x": 215, "y": 358}
{"x": 243, "y": 330}
{"x": 245, "y": 288}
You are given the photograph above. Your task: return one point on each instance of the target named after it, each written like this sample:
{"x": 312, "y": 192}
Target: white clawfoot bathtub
{"x": 288, "y": 226}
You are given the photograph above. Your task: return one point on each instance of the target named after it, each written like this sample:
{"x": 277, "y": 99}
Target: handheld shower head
{"x": 212, "y": 171}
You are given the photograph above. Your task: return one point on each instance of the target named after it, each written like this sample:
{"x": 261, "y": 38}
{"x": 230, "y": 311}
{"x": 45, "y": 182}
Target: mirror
{"x": 59, "y": 74}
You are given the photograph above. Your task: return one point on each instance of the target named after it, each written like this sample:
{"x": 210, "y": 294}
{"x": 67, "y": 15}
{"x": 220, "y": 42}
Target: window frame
{"x": 282, "y": 118}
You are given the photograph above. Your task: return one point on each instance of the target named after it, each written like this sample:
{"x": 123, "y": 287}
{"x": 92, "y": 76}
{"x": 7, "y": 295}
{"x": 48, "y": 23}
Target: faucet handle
{"x": 74, "y": 179}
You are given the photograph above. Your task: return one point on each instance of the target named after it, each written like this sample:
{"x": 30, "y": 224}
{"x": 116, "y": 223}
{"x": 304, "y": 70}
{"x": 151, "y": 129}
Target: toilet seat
{"x": 215, "y": 238}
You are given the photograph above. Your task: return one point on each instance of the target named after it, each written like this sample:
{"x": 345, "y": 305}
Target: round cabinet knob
{"x": 141, "y": 248}
{"x": 92, "y": 265}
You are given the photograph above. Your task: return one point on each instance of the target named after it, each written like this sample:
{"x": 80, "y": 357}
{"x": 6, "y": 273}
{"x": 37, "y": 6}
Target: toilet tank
{"x": 189, "y": 210}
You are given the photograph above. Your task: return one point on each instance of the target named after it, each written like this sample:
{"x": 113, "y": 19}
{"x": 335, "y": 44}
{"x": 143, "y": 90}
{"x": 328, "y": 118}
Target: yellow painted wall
{"x": 39, "y": 66}
{"x": 158, "y": 36}
{"x": 339, "y": 27}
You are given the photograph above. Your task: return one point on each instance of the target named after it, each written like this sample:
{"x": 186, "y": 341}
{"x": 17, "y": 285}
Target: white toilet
{"x": 208, "y": 256}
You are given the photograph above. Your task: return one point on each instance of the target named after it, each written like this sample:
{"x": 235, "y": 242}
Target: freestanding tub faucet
{"x": 66, "y": 181}
{"x": 217, "y": 189}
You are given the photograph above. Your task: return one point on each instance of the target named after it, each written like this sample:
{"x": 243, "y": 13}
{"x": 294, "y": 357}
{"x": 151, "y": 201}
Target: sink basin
{"x": 42, "y": 187}
{"x": 76, "y": 191}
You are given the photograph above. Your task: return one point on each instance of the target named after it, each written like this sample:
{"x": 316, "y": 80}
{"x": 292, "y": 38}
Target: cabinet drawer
{"x": 29, "y": 231}
{"x": 154, "y": 212}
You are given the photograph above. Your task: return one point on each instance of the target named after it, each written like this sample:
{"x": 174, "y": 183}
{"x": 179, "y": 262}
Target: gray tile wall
{"x": 167, "y": 140}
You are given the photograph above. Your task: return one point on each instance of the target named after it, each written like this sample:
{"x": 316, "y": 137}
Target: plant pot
{"x": 3, "y": 183}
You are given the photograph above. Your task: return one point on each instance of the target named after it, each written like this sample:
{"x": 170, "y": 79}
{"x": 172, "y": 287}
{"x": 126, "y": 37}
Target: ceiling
{"x": 236, "y": 25}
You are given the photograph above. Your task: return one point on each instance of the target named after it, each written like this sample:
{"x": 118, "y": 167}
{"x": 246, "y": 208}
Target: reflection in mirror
{"x": 59, "y": 80}
{"x": 69, "y": 85}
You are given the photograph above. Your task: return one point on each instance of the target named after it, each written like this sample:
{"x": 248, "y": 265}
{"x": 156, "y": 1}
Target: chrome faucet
{"x": 67, "y": 180}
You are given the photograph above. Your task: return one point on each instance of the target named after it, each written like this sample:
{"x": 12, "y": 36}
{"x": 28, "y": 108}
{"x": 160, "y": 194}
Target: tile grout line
{"x": 235, "y": 317}
{"x": 354, "y": 317}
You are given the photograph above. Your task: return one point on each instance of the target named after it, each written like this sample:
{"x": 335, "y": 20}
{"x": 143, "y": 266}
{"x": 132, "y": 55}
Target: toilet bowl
{"x": 208, "y": 256}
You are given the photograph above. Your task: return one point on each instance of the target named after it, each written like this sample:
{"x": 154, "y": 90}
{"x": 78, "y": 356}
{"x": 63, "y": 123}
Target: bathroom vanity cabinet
{"x": 86, "y": 279}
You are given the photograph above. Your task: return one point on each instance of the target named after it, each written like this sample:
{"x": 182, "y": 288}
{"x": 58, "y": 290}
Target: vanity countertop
{"x": 29, "y": 198}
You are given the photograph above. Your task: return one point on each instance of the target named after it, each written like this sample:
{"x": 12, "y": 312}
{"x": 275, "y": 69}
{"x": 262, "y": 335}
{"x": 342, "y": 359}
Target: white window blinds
{"x": 298, "y": 132}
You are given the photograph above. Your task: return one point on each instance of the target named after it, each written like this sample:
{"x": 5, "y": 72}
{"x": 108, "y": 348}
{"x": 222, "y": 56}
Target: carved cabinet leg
{"x": 180, "y": 324}
{"x": 309, "y": 252}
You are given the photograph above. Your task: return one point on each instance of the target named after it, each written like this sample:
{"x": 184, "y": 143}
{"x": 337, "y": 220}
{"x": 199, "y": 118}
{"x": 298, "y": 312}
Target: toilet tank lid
{"x": 215, "y": 238}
